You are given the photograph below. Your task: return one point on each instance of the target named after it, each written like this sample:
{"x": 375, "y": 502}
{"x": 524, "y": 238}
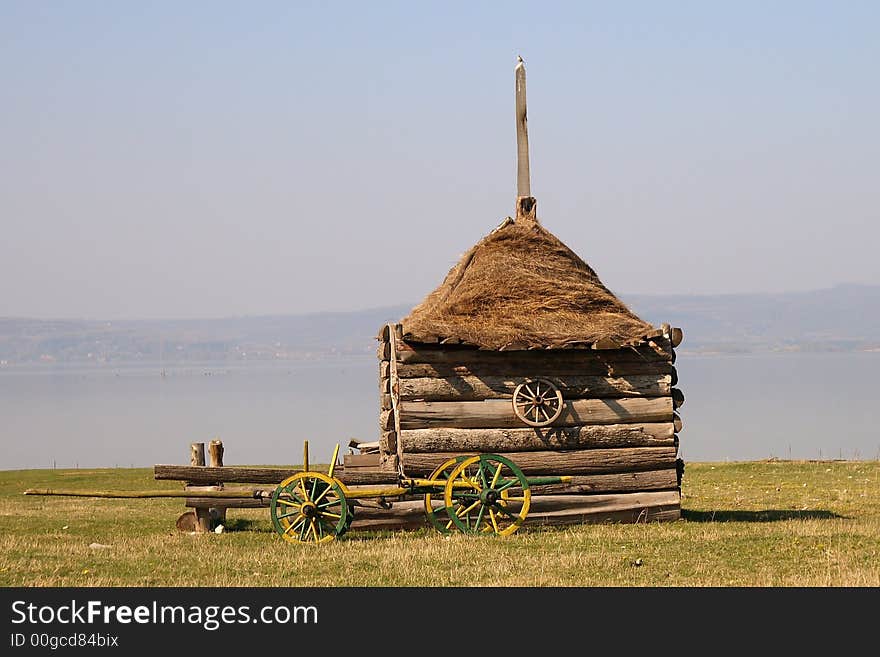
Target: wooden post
{"x": 196, "y": 459}
{"x": 523, "y": 186}
{"x": 197, "y": 454}
{"x": 215, "y": 460}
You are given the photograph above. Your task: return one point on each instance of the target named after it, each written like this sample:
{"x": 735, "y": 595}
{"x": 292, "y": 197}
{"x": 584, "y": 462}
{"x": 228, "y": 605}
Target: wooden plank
{"x": 576, "y": 462}
{"x": 367, "y": 477}
{"x": 498, "y": 413}
{"x": 533, "y": 439}
{"x": 544, "y": 359}
{"x": 352, "y": 461}
{"x": 522, "y": 368}
{"x": 472, "y": 388}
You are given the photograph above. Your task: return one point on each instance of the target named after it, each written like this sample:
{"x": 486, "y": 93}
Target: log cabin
{"x": 523, "y": 351}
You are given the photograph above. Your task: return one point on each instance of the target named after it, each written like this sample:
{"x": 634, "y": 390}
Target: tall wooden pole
{"x": 523, "y": 187}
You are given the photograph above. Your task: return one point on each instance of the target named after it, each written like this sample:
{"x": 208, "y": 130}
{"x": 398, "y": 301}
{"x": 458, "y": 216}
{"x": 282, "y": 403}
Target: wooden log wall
{"x": 618, "y": 428}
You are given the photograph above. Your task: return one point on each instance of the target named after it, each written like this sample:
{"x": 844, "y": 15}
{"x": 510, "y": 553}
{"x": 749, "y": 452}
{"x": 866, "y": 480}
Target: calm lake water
{"x": 744, "y": 407}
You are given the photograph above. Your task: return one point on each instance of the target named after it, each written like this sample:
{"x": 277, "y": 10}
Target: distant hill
{"x": 841, "y": 318}
{"x": 844, "y": 317}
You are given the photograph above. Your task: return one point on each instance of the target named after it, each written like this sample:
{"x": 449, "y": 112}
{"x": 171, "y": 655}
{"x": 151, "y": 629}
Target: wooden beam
{"x": 498, "y": 413}
{"x": 228, "y": 474}
{"x": 644, "y": 506}
{"x": 587, "y": 461}
{"x": 473, "y": 388}
{"x": 660, "y": 351}
{"x": 522, "y": 366}
{"x": 616, "y": 482}
{"x": 534, "y": 439}
{"x": 523, "y": 185}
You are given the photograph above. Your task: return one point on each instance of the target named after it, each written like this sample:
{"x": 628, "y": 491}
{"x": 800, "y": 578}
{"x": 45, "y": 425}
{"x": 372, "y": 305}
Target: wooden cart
{"x": 479, "y": 494}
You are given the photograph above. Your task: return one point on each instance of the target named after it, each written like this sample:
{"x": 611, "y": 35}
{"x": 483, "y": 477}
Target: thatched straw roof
{"x": 520, "y": 287}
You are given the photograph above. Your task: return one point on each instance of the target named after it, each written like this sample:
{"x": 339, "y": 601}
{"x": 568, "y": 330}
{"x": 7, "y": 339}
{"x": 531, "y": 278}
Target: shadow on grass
{"x": 764, "y": 515}
{"x": 248, "y": 525}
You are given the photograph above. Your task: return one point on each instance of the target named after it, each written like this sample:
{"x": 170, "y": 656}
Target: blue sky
{"x": 211, "y": 159}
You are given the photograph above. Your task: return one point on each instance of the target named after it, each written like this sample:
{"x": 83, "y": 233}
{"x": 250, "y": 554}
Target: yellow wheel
{"x": 487, "y": 493}
{"x": 435, "y": 508}
{"x": 309, "y": 507}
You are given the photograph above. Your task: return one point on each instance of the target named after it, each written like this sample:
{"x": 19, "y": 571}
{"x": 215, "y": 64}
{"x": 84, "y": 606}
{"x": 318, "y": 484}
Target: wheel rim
{"x": 309, "y": 507}
{"x": 537, "y": 402}
{"x": 435, "y": 504}
{"x": 487, "y": 494}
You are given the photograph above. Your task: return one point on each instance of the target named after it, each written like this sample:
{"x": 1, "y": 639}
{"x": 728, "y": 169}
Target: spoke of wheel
{"x": 494, "y": 520}
{"x": 332, "y": 515}
{"x": 499, "y": 507}
{"x": 302, "y": 531}
{"x": 497, "y": 475}
{"x": 302, "y": 485}
{"x": 514, "y": 499}
{"x": 321, "y": 496}
{"x": 320, "y": 526}
{"x": 482, "y": 473}
{"x": 507, "y": 484}
{"x": 287, "y": 515}
{"x": 480, "y": 516}
{"x": 312, "y": 529}
{"x": 536, "y": 413}
{"x": 286, "y": 503}
{"x": 546, "y": 417}
{"x": 468, "y": 509}
{"x": 294, "y": 525}
{"x": 537, "y": 389}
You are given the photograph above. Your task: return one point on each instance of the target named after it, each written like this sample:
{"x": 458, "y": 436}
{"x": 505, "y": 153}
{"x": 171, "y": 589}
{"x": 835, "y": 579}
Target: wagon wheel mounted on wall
{"x": 537, "y": 402}
{"x": 310, "y": 507}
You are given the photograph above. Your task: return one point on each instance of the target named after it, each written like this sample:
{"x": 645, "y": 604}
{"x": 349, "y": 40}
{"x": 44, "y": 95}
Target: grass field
{"x": 768, "y": 523}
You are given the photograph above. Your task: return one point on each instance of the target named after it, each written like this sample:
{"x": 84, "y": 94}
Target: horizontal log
{"x": 576, "y": 462}
{"x": 471, "y": 388}
{"x": 676, "y": 422}
{"x": 644, "y": 506}
{"x": 522, "y": 369}
{"x": 617, "y": 482}
{"x": 227, "y": 473}
{"x": 534, "y": 439}
{"x": 363, "y": 476}
{"x": 498, "y": 413}
{"x": 660, "y": 350}
{"x": 385, "y": 402}
{"x": 384, "y": 351}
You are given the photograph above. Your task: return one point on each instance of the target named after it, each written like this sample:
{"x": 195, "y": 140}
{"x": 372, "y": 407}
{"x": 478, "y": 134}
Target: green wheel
{"x": 487, "y": 494}
{"x": 435, "y": 508}
{"x": 310, "y": 507}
